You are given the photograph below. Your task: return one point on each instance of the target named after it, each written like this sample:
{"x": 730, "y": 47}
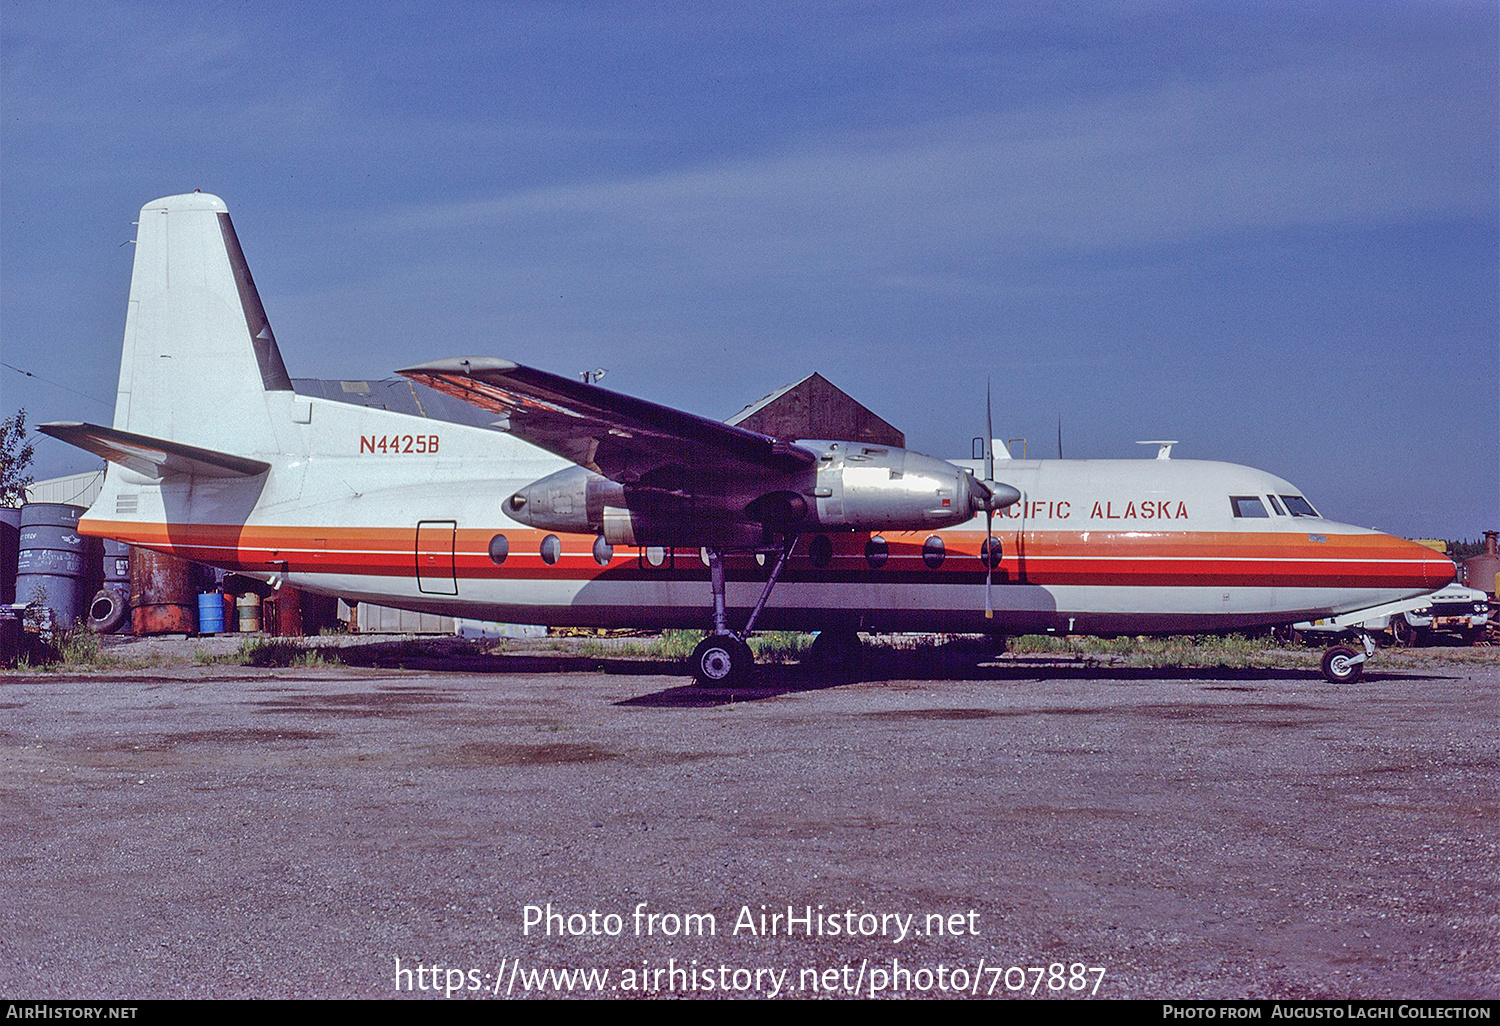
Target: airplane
{"x": 581, "y": 506}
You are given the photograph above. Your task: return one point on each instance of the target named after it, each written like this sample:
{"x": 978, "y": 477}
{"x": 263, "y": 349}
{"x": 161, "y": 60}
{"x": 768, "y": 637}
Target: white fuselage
{"x": 405, "y": 511}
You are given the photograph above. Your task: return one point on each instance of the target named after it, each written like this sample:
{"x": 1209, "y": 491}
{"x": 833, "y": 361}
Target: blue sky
{"x": 1266, "y": 229}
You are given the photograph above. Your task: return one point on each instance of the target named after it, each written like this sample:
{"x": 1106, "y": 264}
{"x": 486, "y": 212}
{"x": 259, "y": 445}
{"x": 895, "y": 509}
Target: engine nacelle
{"x": 882, "y": 488}
{"x": 579, "y": 501}
{"x": 853, "y": 487}
{"x": 563, "y": 501}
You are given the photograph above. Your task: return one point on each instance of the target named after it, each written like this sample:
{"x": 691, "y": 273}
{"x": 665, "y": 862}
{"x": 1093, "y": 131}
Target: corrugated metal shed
{"x": 373, "y": 619}
{"x": 816, "y": 408}
{"x": 77, "y": 489}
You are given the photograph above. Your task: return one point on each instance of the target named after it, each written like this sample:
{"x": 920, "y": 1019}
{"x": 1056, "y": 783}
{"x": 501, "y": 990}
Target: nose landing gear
{"x": 1343, "y": 665}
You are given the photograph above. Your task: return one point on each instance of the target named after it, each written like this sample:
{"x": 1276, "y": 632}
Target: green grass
{"x": 677, "y": 645}
{"x": 265, "y": 652}
{"x": 1229, "y": 650}
{"x": 77, "y": 648}
{"x": 779, "y": 646}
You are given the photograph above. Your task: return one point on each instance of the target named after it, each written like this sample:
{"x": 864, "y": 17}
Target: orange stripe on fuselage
{"x": 1140, "y": 558}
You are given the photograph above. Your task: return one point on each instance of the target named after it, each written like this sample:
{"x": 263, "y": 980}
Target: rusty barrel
{"x": 163, "y": 593}
{"x": 247, "y": 612}
{"x": 288, "y": 613}
{"x": 53, "y": 564}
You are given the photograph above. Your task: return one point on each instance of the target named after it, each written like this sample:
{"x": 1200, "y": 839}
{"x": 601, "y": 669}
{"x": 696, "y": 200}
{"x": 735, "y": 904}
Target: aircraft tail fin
{"x": 200, "y": 363}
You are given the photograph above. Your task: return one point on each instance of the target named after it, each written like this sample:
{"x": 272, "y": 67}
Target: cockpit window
{"x": 1276, "y": 506}
{"x": 1297, "y": 506}
{"x": 1248, "y": 506}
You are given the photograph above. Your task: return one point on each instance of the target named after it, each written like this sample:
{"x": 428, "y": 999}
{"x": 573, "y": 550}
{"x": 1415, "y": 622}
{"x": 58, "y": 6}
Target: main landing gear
{"x": 724, "y": 659}
{"x": 1343, "y": 664}
{"x": 836, "y": 654}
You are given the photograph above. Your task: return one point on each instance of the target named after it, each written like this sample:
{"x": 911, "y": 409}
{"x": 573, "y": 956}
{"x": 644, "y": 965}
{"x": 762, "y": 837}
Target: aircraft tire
{"x": 721, "y": 661}
{"x": 837, "y": 654}
{"x": 1337, "y": 668}
{"x": 107, "y": 611}
{"x": 1403, "y": 632}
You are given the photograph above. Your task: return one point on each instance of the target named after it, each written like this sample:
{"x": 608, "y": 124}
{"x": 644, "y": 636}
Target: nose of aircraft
{"x": 1411, "y": 565}
{"x": 1437, "y": 569}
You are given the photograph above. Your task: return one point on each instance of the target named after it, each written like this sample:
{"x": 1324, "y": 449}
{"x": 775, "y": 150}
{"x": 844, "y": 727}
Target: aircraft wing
{"x": 616, "y": 435}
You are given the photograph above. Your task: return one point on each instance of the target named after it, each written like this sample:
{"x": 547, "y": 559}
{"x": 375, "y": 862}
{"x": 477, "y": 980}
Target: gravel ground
{"x": 222, "y": 831}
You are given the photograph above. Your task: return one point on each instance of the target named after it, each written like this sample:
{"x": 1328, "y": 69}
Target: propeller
{"x": 989, "y": 507}
{"x": 989, "y": 495}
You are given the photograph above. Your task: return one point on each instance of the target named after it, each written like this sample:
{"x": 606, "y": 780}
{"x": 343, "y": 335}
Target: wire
{"x": 93, "y": 480}
{"x": 65, "y": 388}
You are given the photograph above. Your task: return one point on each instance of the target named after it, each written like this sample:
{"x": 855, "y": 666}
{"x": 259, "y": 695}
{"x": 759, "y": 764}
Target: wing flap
{"x": 152, "y": 457}
{"x": 619, "y": 436}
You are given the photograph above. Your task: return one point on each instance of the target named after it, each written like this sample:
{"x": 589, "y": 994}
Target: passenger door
{"x": 435, "y": 541}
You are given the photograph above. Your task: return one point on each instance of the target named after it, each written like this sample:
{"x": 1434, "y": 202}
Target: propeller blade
{"x": 989, "y": 435}
{"x": 989, "y": 563}
{"x": 1059, "y": 436}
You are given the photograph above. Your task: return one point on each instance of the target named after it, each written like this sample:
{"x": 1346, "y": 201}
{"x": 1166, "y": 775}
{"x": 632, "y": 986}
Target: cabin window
{"x": 1276, "y": 506}
{"x": 933, "y": 552}
{"x": 551, "y": 549}
{"x": 1297, "y": 506}
{"x": 499, "y": 549}
{"x": 1248, "y": 506}
{"x": 603, "y": 551}
{"x": 877, "y": 552}
{"x": 820, "y": 550}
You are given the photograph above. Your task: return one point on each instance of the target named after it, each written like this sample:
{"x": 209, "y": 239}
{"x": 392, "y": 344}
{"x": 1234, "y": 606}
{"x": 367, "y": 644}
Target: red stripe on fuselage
{"x": 1133, "y": 558}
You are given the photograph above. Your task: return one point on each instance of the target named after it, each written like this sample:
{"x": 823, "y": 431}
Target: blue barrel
{"x": 10, "y": 549}
{"x": 210, "y": 612}
{"x": 53, "y": 565}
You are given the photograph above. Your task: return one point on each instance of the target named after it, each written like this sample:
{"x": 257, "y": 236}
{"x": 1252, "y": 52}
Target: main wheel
{"x": 837, "y": 653}
{"x": 722, "y": 660}
{"x": 1339, "y": 667}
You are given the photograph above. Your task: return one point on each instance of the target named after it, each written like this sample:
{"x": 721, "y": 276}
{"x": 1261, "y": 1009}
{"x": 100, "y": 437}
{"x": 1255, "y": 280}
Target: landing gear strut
{"x": 724, "y": 659}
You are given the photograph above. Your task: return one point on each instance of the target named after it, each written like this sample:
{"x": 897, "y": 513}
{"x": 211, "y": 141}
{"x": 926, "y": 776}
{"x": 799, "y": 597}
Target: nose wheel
{"x": 1343, "y": 664}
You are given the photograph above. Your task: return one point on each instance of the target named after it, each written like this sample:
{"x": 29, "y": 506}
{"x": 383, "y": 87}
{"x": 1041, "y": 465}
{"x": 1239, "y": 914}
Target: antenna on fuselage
{"x": 1163, "y": 453}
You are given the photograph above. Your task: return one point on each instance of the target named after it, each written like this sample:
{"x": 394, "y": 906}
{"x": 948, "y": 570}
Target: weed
{"x": 275, "y": 652}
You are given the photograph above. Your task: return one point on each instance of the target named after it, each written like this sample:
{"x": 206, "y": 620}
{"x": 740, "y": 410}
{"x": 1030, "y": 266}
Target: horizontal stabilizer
{"x": 152, "y": 457}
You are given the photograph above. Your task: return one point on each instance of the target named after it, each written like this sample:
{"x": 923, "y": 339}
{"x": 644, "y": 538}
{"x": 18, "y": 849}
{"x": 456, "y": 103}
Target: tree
{"x": 15, "y": 457}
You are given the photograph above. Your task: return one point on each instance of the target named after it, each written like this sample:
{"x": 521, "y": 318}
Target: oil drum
{"x": 10, "y": 549}
{"x": 163, "y": 596}
{"x": 53, "y": 564}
